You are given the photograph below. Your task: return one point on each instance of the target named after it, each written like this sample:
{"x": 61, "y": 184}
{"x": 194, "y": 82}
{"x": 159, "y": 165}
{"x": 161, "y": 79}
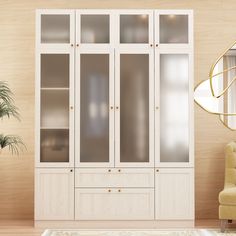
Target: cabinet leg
{"x": 223, "y": 225}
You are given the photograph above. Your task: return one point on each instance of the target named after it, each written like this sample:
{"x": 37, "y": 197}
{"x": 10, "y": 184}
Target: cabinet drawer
{"x": 114, "y": 177}
{"x": 114, "y": 204}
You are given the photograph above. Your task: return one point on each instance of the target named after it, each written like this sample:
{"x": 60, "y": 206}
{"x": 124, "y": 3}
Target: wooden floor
{"x": 26, "y": 228}
{"x": 19, "y": 228}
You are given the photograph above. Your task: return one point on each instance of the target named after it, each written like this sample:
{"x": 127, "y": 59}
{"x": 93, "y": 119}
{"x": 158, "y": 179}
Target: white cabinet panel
{"x": 174, "y": 197}
{"x": 114, "y": 204}
{"x": 54, "y": 194}
{"x": 114, "y": 177}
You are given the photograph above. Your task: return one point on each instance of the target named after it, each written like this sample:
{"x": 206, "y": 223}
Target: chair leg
{"x": 223, "y": 225}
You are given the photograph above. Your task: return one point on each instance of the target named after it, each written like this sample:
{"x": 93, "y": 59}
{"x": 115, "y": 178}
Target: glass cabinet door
{"x": 56, "y": 27}
{"x": 133, "y": 114}
{"x": 135, "y": 27}
{"x": 93, "y": 27}
{"x": 55, "y": 108}
{"x": 174, "y": 118}
{"x": 173, "y": 27}
{"x": 95, "y": 110}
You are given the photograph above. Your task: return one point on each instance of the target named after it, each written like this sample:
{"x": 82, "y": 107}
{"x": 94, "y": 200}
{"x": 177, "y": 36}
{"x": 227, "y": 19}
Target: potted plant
{"x": 8, "y": 109}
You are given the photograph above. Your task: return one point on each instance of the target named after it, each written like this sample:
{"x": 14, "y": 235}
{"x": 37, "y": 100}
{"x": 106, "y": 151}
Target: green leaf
{"x": 13, "y": 142}
{"x": 7, "y": 107}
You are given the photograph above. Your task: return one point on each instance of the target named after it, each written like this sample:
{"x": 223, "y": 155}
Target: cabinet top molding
{"x": 116, "y": 10}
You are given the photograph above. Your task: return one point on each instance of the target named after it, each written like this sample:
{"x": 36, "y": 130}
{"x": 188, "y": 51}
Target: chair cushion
{"x": 228, "y": 196}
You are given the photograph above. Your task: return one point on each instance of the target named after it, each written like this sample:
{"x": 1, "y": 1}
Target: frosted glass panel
{"x": 54, "y": 145}
{"x": 173, "y": 29}
{"x": 55, "y": 28}
{"x": 54, "y": 108}
{"x": 94, "y": 116}
{"x": 134, "y": 108}
{"x": 95, "y": 29}
{"x": 134, "y": 29}
{"x": 54, "y": 70}
{"x": 174, "y": 108}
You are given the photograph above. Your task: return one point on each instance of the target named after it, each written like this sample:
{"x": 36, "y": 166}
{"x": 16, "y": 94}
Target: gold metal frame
{"x": 212, "y": 70}
{"x": 211, "y": 76}
{"x": 225, "y": 124}
{"x": 214, "y": 113}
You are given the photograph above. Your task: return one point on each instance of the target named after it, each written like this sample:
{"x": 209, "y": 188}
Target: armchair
{"x": 227, "y": 197}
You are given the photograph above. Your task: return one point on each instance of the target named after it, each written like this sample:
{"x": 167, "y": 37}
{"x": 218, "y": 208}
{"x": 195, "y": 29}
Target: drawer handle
{"x": 109, "y": 190}
{"x": 109, "y": 170}
{"x": 119, "y": 170}
{"x": 119, "y": 190}
{"x": 157, "y": 170}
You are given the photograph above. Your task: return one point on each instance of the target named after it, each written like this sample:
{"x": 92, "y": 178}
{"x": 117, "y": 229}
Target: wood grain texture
{"x": 214, "y": 31}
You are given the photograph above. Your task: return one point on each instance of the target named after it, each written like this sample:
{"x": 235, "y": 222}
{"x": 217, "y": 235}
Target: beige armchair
{"x": 227, "y": 197}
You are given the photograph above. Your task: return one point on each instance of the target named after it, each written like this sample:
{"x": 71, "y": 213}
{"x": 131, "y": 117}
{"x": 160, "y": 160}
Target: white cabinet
{"x": 174, "y": 194}
{"x": 54, "y": 194}
{"x": 113, "y": 103}
{"x": 114, "y": 204}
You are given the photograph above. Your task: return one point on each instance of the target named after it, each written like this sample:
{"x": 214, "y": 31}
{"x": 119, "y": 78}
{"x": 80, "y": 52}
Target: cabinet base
{"x": 157, "y": 224}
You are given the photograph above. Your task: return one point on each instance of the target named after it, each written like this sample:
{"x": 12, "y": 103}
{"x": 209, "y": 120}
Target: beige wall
{"x": 215, "y": 29}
